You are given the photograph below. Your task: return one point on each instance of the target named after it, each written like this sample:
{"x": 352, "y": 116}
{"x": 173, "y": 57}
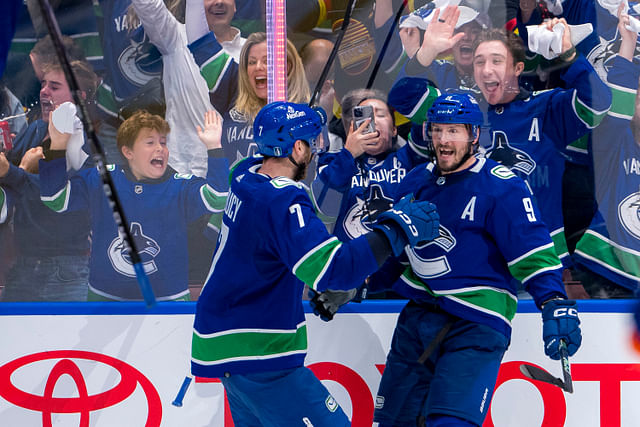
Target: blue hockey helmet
{"x": 280, "y": 124}
{"x": 455, "y": 108}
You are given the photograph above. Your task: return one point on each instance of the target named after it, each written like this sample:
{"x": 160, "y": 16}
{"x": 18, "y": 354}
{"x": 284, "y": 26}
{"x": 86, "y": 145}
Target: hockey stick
{"x": 327, "y": 66}
{"x": 540, "y": 374}
{"x": 387, "y": 40}
{"x": 97, "y": 154}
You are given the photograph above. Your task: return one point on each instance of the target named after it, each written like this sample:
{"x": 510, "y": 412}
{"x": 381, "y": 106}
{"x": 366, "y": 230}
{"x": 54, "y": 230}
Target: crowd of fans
{"x": 173, "y": 88}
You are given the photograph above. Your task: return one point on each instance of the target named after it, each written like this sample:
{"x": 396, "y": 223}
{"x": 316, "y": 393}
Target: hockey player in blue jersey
{"x": 451, "y": 336}
{"x": 250, "y": 327}
{"x": 158, "y": 203}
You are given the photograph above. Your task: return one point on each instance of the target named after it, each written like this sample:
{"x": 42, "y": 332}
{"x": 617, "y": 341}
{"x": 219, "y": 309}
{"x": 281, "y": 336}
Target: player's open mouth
{"x": 157, "y": 162}
{"x": 446, "y": 153}
{"x": 218, "y": 12}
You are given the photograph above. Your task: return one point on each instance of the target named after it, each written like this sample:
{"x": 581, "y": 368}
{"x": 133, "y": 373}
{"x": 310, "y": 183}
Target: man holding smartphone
{"x": 355, "y": 184}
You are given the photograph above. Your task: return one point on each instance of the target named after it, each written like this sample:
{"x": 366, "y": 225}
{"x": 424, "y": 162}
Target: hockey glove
{"x": 560, "y": 322}
{"x": 326, "y": 304}
{"x": 409, "y": 222}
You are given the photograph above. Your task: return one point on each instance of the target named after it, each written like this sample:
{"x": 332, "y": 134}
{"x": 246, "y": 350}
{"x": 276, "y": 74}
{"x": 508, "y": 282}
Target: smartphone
{"x": 362, "y": 113}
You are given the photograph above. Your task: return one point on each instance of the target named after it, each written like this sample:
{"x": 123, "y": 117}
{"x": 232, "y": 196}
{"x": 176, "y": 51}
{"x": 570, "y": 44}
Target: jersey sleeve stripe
{"x": 215, "y": 201}
{"x": 3, "y": 206}
{"x": 419, "y": 112}
{"x": 534, "y": 262}
{"x": 590, "y": 117}
{"x": 248, "y": 344}
{"x": 312, "y": 266}
{"x": 623, "y": 101}
{"x": 560, "y": 243}
{"x": 214, "y": 68}
{"x": 59, "y": 202}
{"x": 624, "y": 261}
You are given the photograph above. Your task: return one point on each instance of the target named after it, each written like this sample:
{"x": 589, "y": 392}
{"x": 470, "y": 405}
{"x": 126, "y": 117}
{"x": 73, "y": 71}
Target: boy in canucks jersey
{"x": 157, "y": 201}
{"x": 462, "y": 298}
{"x": 249, "y": 327}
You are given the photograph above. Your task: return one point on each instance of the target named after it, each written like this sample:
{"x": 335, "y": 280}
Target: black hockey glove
{"x": 326, "y": 304}
{"x": 409, "y": 222}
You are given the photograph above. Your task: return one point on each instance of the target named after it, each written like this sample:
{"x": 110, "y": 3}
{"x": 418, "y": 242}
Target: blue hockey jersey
{"x": 490, "y": 232}
{"x": 364, "y": 186}
{"x": 611, "y": 245}
{"x": 158, "y": 212}
{"x": 249, "y": 317}
{"x": 530, "y": 134}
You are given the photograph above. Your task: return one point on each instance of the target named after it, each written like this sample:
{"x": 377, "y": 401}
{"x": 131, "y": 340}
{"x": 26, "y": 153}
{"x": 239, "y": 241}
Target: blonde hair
{"x": 248, "y": 103}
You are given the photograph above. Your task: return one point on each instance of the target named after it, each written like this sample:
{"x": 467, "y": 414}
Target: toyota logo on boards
{"x": 87, "y": 399}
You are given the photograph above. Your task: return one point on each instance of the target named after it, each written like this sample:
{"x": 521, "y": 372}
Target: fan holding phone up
{"x": 360, "y": 115}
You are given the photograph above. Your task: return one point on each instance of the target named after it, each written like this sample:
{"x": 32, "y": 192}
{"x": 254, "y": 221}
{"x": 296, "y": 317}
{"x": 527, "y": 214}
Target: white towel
{"x": 611, "y": 5}
{"x": 421, "y": 17}
{"x": 634, "y": 25}
{"x": 549, "y": 43}
{"x": 66, "y": 121}
{"x": 555, "y": 6}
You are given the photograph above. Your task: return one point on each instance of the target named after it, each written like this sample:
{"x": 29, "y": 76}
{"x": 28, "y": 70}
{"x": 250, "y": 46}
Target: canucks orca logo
{"x": 120, "y": 254}
{"x": 629, "y": 214}
{"x": 514, "y": 159}
{"x": 427, "y": 268}
{"x": 363, "y": 213}
{"x": 140, "y": 61}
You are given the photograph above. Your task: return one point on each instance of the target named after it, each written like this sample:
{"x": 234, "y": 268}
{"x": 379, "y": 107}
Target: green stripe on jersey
{"x": 496, "y": 302}
{"x": 59, "y": 202}
{"x": 623, "y": 101}
{"x": 623, "y": 261}
{"x": 419, "y": 113}
{"x": 534, "y": 262}
{"x": 248, "y": 344}
{"x": 560, "y": 243}
{"x": 312, "y": 266}
{"x": 589, "y": 116}
{"x": 213, "y": 69}
{"x": 213, "y": 199}
{"x": 3, "y": 206}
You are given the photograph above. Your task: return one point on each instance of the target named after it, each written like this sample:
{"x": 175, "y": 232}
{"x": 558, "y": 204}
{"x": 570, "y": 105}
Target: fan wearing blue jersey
{"x": 158, "y": 204}
{"x": 250, "y": 327}
{"x": 450, "y": 338}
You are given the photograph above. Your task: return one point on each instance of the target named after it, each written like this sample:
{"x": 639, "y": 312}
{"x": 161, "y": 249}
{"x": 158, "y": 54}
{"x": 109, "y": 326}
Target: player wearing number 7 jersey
{"x": 451, "y": 336}
{"x": 250, "y": 327}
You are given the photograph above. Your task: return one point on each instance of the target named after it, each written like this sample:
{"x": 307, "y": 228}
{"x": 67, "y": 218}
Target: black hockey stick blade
{"x": 327, "y": 66}
{"x": 98, "y": 153}
{"x": 539, "y": 374}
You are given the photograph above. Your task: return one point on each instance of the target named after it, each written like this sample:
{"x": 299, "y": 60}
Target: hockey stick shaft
{"x": 97, "y": 153}
{"x": 183, "y": 390}
{"x": 385, "y": 46}
{"x": 566, "y": 367}
{"x": 327, "y": 66}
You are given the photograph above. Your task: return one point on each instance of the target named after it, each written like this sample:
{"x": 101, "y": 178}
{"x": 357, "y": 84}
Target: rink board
{"x": 121, "y": 365}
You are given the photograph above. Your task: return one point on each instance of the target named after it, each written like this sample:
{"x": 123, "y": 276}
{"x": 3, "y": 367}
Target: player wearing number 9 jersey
{"x": 250, "y": 327}
{"x": 460, "y": 285}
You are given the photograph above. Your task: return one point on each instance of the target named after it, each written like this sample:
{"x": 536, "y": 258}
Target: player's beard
{"x": 301, "y": 171}
{"x": 464, "y": 158}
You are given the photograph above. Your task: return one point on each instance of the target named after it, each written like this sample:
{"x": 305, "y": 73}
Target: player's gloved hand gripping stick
{"x": 562, "y": 338}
